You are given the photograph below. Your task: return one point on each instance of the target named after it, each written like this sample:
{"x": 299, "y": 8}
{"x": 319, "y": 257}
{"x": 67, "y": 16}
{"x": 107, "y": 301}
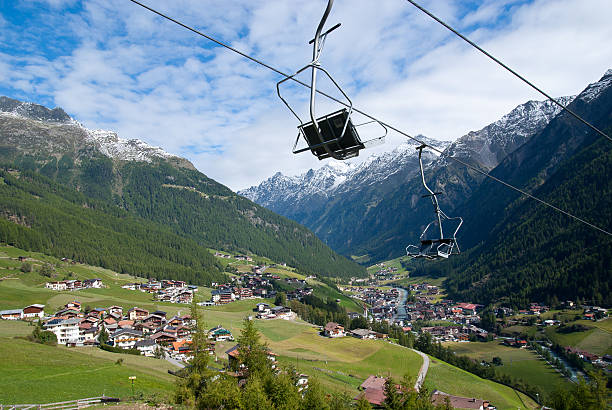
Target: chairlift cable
{"x": 529, "y": 83}
{"x": 486, "y": 174}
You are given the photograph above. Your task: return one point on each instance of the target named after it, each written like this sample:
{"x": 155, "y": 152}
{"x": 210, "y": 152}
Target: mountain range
{"x": 67, "y": 164}
{"x": 373, "y": 209}
{"x": 515, "y": 249}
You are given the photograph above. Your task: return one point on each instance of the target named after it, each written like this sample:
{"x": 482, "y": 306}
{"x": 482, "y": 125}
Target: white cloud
{"x": 147, "y": 78}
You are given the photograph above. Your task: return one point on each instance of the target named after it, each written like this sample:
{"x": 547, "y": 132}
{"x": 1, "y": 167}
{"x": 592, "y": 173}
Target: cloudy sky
{"x": 114, "y": 65}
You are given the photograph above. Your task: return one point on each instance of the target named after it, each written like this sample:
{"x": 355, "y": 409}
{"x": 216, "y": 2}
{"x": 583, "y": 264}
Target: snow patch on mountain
{"x": 594, "y": 89}
{"x": 111, "y": 145}
{"x": 336, "y": 177}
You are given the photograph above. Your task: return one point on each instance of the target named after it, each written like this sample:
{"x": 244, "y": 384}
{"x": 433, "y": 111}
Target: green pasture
{"x": 449, "y": 379}
{"x": 35, "y": 373}
{"x": 518, "y": 363}
{"x": 596, "y": 340}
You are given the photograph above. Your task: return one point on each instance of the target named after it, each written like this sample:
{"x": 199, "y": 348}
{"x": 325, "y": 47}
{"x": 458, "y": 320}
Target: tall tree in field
{"x": 191, "y": 387}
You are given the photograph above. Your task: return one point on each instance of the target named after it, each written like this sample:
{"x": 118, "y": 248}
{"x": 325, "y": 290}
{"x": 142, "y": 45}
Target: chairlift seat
{"x": 341, "y": 146}
{"x": 436, "y": 248}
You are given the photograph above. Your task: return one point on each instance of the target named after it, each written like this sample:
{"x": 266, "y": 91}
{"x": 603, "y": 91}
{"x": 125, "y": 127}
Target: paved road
{"x": 174, "y": 361}
{"x": 423, "y": 371}
{"x": 424, "y": 367}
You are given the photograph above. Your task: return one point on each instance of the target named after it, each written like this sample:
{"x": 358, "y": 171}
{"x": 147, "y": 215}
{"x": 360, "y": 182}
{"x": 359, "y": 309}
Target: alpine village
{"x": 437, "y": 236}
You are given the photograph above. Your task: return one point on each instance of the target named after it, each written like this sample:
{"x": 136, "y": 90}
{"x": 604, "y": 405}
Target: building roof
{"x": 373, "y": 382}
{"x": 120, "y": 332}
{"x": 11, "y": 312}
{"x": 438, "y": 398}
{"x": 362, "y": 332}
{"x": 332, "y": 326}
{"x": 145, "y": 343}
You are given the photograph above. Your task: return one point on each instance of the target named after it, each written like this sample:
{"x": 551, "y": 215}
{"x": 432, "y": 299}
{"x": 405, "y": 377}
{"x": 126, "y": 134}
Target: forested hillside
{"x": 158, "y": 187}
{"x": 41, "y": 215}
{"x": 523, "y": 251}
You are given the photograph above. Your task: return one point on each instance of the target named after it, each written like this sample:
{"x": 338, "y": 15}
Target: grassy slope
{"x": 518, "y": 363}
{"x": 596, "y": 340}
{"x": 453, "y": 380}
{"x": 34, "y": 373}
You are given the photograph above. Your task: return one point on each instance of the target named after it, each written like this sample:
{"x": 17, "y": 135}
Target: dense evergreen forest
{"x": 537, "y": 254}
{"x": 40, "y": 215}
{"x": 184, "y": 202}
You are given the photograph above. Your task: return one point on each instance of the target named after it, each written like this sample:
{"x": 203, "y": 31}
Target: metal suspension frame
{"x": 317, "y": 47}
{"x": 444, "y": 247}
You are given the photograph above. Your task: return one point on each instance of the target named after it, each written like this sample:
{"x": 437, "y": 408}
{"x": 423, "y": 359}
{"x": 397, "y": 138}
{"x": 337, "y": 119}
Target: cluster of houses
{"x": 75, "y": 284}
{"x": 373, "y": 390}
{"x": 333, "y": 329}
{"x": 152, "y": 333}
{"x": 596, "y": 360}
{"x": 265, "y": 311}
{"x": 172, "y": 291}
{"x": 237, "y": 257}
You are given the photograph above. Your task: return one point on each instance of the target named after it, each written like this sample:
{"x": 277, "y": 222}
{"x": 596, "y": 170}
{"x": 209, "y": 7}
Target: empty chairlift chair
{"x": 333, "y": 135}
{"x": 440, "y": 247}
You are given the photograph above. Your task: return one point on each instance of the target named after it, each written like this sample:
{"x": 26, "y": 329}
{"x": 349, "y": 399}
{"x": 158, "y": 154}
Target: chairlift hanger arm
{"x": 327, "y": 32}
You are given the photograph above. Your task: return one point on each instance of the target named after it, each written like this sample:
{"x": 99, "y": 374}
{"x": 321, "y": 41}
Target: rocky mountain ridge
{"x": 54, "y": 129}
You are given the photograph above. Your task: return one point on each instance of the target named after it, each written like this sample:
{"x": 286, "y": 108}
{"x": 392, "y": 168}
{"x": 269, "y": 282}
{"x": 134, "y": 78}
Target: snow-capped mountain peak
{"x": 594, "y": 89}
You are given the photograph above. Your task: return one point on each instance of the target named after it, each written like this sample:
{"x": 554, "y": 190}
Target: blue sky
{"x": 113, "y": 65}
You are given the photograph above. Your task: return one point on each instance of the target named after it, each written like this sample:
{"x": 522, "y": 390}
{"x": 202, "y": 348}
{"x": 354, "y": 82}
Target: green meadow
{"x": 35, "y": 373}
{"x": 518, "y": 363}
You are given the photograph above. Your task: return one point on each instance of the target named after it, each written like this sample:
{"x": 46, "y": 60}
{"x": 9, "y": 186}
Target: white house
{"x": 56, "y": 285}
{"x": 146, "y": 347}
{"x": 35, "y": 311}
{"x": 126, "y": 338}
{"x": 66, "y": 330}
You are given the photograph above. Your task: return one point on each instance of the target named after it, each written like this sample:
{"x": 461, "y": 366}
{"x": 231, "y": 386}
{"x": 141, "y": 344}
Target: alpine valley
{"x": 516, "y": 250}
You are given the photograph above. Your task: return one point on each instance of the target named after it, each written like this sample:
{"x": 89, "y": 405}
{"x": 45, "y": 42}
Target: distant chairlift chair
{"x": 441, "y": 247}
{"x": 333, "y": 135}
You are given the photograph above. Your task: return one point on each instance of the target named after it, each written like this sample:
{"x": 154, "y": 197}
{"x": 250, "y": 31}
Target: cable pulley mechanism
{"x": 438, "y": 247}
{"x": 333, "y": 135}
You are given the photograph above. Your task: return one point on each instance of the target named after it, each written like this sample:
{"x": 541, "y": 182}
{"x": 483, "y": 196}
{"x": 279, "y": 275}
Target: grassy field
{"x": 518, "y": 363}
{"x": 597, "y": 339}
{"x": 34, "y": 373}
{"x": 453, "y": 380}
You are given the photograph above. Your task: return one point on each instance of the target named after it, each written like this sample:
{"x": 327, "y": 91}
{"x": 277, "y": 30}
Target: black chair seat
{"x": 331, "y": 126}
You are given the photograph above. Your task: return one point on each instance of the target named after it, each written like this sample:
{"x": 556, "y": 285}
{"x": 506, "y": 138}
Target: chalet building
{"x": 219, "y": 334}
{"x": 146, "y": 347}
{"x": 35, "y": 311}
{"x": 115, "y": 310}
{"x": 56, "y": 286}
{"x": 363, "y": 334}
{"x": 233, "y": 353}
{"x": 137, "y": 313}
{"x": 66, "y": 330}
{"x": 333, "y": 329}
{"x": 126, "y": 338}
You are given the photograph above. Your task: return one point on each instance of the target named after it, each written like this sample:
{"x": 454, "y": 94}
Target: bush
{"x": 113, "y": 349}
